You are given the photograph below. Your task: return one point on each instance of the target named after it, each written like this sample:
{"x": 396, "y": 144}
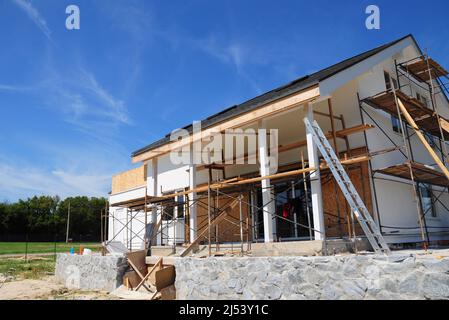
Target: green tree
{"x": 48, "y": 215}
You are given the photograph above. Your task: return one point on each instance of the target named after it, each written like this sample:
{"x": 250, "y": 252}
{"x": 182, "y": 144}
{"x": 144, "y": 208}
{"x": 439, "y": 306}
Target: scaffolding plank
{"x": 136, "y": 203}
{"x": 421, "y": 173}
{"x": 424, "y": 117}
{"x": 420, "y": 69}
{"x": 423, "y": 139}
{"x": 444, "y": 125}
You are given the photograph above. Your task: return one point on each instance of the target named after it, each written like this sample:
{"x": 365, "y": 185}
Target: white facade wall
{"x": 170, "y": 178}
{"x": 132, "y": 235}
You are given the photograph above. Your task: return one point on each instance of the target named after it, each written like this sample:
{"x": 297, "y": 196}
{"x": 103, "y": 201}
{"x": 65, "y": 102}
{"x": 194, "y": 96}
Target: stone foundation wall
{"x": 94, "y": 272}
{"x": 335, "y": 277}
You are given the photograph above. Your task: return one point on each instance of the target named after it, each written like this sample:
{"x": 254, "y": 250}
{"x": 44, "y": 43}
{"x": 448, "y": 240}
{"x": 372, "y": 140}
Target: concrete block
{"x": 93, "y": 272}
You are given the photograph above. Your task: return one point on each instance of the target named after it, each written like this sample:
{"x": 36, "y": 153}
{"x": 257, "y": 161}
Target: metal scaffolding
{"x": 414, "y": 115}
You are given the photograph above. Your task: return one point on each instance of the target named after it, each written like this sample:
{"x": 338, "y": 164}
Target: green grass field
{"x": 43, "y": 247}
{"x": 34, "y": 268}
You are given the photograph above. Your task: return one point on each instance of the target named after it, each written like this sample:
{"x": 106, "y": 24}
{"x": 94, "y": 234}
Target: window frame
{"x": 390, "y": 82}
{"x": 174, "y": 209}
{"x": 387, "y": 78}
{"x": 396, "y": 125}
{"x": 427, "y": 188}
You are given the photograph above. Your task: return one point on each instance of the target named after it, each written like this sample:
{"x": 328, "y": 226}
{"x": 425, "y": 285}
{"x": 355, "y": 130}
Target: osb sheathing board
{"x": 129, "y": 179}
{"x": 359, "y": 175}
{"x": 227, "y": 231}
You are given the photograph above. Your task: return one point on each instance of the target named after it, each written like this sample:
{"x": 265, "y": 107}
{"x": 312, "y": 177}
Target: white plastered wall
{"x": 126, "y": 226}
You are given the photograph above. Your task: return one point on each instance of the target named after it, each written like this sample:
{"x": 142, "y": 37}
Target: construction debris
{"x": 154, "y": 278}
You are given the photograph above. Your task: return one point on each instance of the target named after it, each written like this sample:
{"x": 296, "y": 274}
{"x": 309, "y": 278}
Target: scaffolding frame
{"x": 213, "y": 211}
{"x": 402, "y": 71}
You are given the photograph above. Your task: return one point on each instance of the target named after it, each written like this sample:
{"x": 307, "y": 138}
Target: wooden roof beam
{"x": 290, "y": 102}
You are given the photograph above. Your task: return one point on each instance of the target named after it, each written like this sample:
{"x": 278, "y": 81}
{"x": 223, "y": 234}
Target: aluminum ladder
{"x": 355, "y": 202}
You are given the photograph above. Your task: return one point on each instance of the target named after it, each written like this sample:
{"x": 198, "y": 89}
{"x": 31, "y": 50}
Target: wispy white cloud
{"x": 6, "y": 87}
{"x": 134, "y": 19}
{"x": 84, "y": 103}
{"x": 83, "y": 167}
{"x": 235, "y": 54}
{"x": 72, "y": 169}
{"x": 20, "y": 182}
{"x": 114, "y": 108}
{"x": 232, "y": 53}
{"x": 83, "y": 151}
{"x": 34, "y": 15}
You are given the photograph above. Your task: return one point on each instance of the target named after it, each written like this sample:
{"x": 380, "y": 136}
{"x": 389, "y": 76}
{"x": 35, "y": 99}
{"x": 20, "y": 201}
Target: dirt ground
{"x": 46, "y": 289}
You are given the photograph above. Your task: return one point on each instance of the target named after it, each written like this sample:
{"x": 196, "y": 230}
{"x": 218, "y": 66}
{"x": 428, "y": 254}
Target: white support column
{"x": 254, "y": 217}
{"x": 152, "y": 188}
{"x": 192, "y": 200}
{"x": 315, "y": 181}
{"x": 268, "y": 199}
{"x": 111, "y": 223}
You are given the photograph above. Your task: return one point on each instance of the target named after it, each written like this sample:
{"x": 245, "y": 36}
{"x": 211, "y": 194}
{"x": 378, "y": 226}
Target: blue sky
{"x": 75, "y": 104}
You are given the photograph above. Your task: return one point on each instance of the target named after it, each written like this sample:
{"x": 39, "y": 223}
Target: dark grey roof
{"x": 288, "y": 89}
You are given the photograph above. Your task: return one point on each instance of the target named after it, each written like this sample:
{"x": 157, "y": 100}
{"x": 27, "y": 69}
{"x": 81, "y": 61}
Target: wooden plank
{"x": 168, "y": 293}
{"x": 137, "y": 258}
{"x": 352, "y": 130}
{"x": 326, "y": 115}
{"x": 350, "y": 161}
{"x": 139, "y": 273}
{"x": 128, "y": 180}
{"x": 444, "y": 125}
{"x": 335, "y": 217}
{"x": 421, "y": 71}
{"x": 149, "y": 272}
{"x": 334, "y": 131}
{"x": 421, "y": 173}
{"x": 387, "y": 103}
{"x": 131, "y": 279}
{"x": 423, "y": 139}
{"x": 424, "y": 117}
{"x": 164, "y": 277}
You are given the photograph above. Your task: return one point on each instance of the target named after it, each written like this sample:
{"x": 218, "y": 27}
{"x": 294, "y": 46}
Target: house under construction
{"x": 378, "y": 172}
